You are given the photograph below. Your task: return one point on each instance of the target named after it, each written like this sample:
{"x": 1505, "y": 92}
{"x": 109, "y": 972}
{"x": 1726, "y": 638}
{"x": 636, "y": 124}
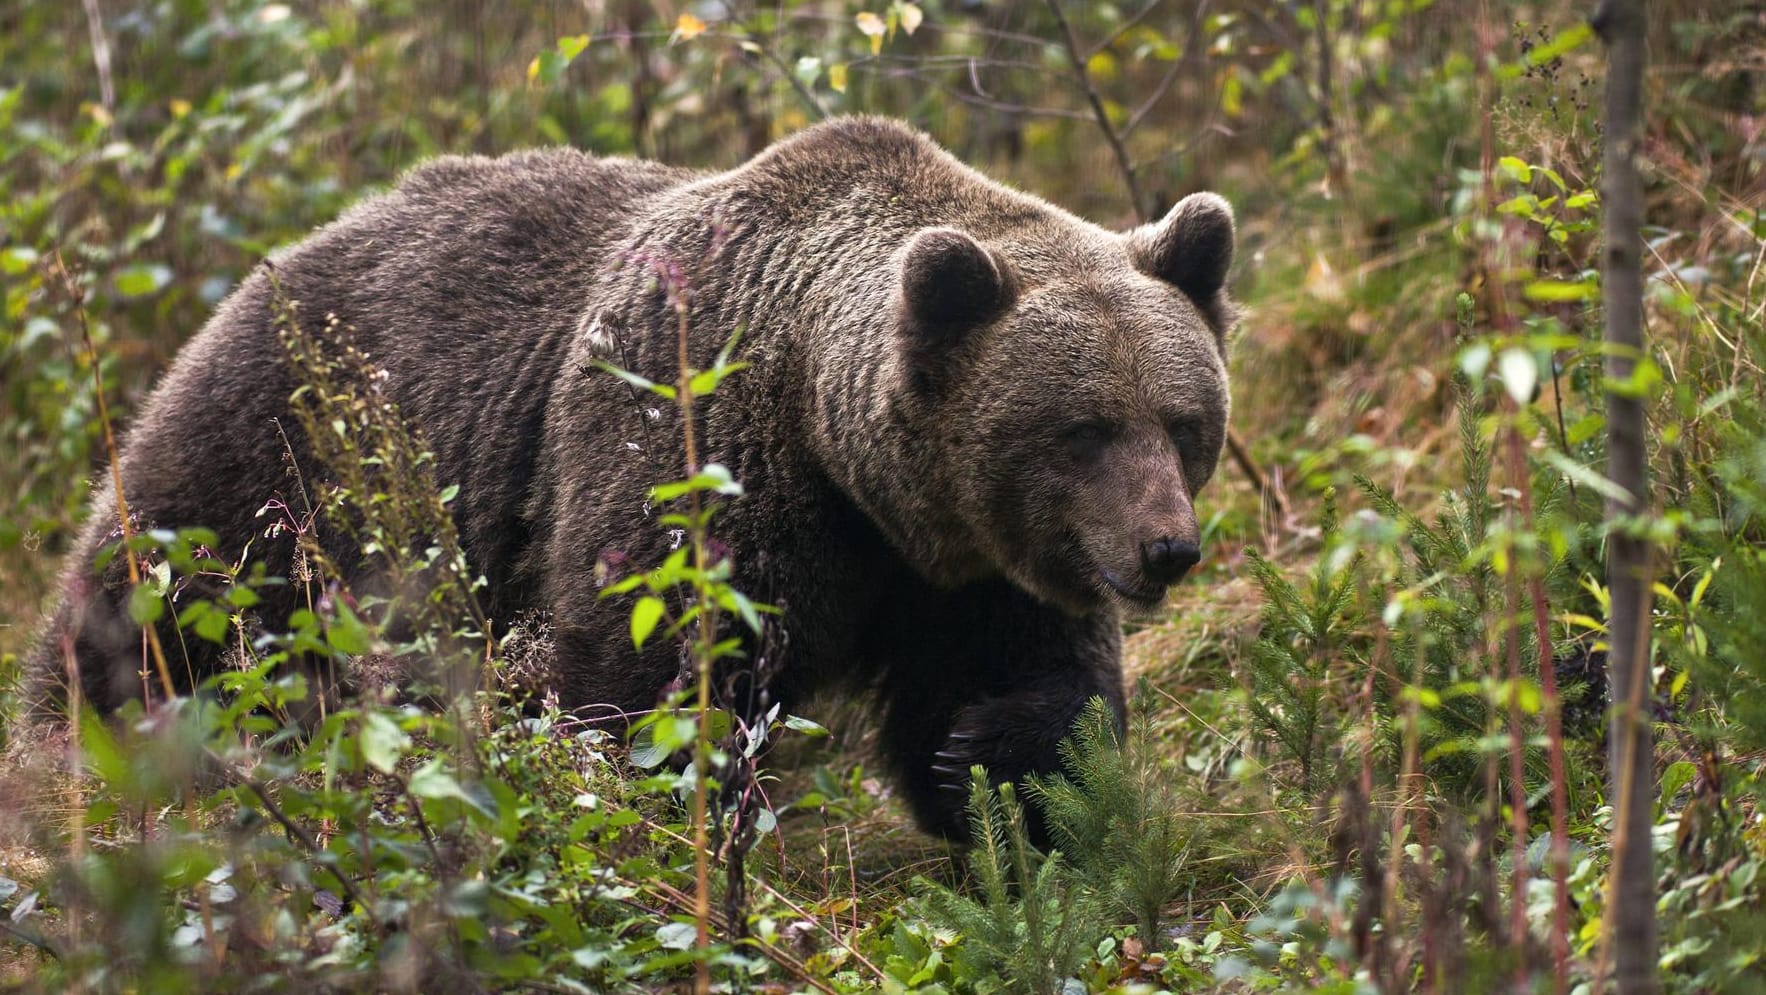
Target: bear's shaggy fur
{"x": 969, "y": 437}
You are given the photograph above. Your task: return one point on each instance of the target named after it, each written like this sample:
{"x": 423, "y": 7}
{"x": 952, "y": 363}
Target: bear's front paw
{"x": 1012, "y": 736}
{"x": 952, "y": 766}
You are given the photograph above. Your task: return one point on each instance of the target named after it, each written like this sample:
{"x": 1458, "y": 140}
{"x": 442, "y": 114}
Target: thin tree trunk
{"x": 1631, "y": 908}
{"x": 1329, "y": 139}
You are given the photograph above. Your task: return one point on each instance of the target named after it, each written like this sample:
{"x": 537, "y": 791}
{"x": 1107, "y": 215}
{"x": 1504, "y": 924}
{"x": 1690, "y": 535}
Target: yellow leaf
{"x": 180, "y": 107}
{"x": 1232, "y": 96}
{"x": 873, "y": 26}
{"x": 688, "y": 27}
{"x": 837, "y": 77}
{"x": 533, "y": 69}
{"x": 911, "y": 16}
{"x": 1101, "y": 67}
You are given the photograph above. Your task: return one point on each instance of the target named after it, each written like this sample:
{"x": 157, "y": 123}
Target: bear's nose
{"x": 1166, "y": 560}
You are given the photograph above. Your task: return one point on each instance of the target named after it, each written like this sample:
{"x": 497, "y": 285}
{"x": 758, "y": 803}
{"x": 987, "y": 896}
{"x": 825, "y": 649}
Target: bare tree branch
{"x": 1126, "y": 26}
{"x": 1083, "y": 75}
{"x": 759, "y": 45}
{"x": 976, "y": 97}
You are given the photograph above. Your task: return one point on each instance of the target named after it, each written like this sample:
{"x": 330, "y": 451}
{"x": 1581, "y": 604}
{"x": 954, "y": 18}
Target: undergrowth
{"x": 1369, "y": 754}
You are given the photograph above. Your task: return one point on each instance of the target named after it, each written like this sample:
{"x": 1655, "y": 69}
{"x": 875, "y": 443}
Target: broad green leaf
{"x": 712, "y": 477}
{"x": 435, "y": 782}
{"x": 347, "y": 634}
{"x": 17, "y": 259}
{"x": 656, "y": 741}
{"x": 145, "y": 604}
{"x": 645, "y": 614}
{"x": 383, "y": 742}
{"x": 797, "y": 723}
{"x": 677, "y": 935}
{"x": 207, "y": 621}
{"x": 143, "y": 279}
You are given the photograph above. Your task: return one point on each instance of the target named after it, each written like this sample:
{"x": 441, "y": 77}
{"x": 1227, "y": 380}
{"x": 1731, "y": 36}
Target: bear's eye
{"x": 1086, "y": 441}
{"x": 1184, "y": 435}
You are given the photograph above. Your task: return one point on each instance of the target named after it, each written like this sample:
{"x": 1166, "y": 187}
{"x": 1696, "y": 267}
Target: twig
{"x": 1083, "y": 74}
{"x": 76, "y": 828}
{"x": 1554, "y": 732}
{"x": 1164, "y": 86}
{"x": 1128, "y": 24}
{"x": 291, "y": 828}
{"x": 107, "y": 91}
{"x": 1191, "y": 46}
{"x": 1260, "y": 483}
{"x": 803, "y": 913}
{"x": 980, "y": 99}
{"x": 673, "y": 897}
{"x": 810, "y": 100}
{"x": 77, "y": 295}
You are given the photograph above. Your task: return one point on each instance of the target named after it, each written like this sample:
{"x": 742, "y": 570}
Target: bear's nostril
{"x": 1166, "y": 560}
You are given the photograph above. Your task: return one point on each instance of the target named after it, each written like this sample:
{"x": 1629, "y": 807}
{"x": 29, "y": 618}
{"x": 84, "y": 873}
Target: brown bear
{"x": 970, "y": 434}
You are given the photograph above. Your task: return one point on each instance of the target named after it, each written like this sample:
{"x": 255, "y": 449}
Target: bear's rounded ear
{"x": 949, "y": 284}
{"x": 1191, "y": 249}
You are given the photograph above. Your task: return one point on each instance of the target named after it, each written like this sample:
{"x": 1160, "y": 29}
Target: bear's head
{"x": 1072, "y": 387}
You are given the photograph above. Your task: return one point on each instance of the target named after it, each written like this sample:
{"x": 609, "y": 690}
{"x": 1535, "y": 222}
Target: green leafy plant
{"x": 1121, "y": 819}
{"x": 1296, "y": 669}
{"x": 1030, "y": 919}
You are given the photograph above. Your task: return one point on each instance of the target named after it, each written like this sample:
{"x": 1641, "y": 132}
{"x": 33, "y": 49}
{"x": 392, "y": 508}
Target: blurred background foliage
{"x": 1418, "y": 190}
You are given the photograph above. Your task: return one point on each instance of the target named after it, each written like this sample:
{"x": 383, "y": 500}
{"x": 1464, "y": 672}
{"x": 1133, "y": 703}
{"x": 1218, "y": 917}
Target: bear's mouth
{"x": 1142, "y": 597}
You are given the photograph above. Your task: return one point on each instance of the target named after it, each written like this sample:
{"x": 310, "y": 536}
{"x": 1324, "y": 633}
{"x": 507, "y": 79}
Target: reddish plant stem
{"x": 1517, "y": 787}
{"x": 1554, "y": 731}
{"x": 1502, "y": 322}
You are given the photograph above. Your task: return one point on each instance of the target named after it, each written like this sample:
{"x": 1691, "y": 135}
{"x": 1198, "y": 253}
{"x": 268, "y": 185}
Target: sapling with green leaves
{"x": 1305, "y": 638}
{"x": 699, "y": 586}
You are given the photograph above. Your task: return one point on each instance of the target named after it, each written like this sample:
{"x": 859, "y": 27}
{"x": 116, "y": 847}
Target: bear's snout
{"x": 1165, "y": 560}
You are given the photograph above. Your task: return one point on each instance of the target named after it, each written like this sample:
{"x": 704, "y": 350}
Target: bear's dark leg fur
{"x": 986, "y": 675}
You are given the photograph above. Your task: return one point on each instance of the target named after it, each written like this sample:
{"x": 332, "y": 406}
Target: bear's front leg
{"x": 987, "y": 675}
